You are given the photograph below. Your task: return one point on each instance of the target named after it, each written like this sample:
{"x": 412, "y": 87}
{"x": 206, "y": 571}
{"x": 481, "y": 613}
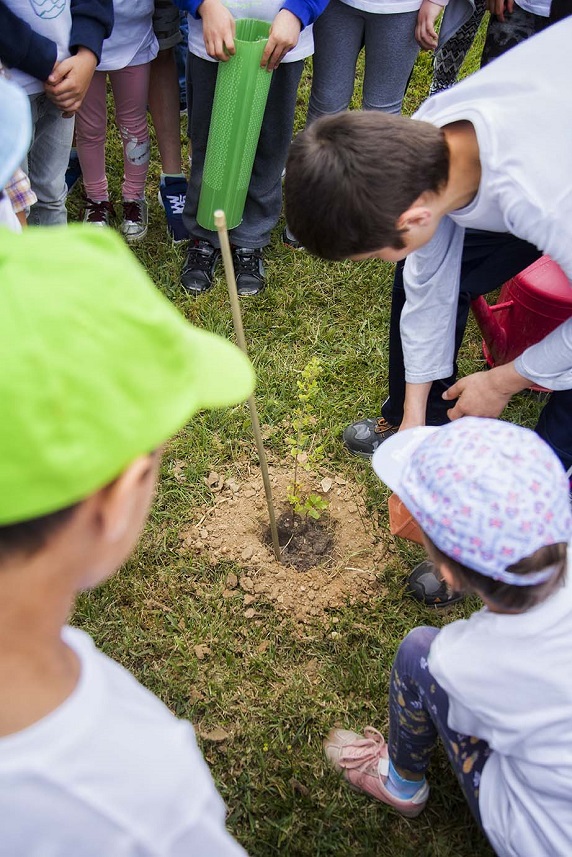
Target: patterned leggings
{"x": 418, "y": 709}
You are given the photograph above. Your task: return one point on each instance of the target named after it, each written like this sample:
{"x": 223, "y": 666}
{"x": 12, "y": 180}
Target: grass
{"x": 273, "y": 689}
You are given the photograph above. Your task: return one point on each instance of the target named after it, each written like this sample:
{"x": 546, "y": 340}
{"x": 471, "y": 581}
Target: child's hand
{"x": 499, "y": 7}
{"x": 218, "y": 29}
{"x": 425, "y": 33}
{"x": 284, "y": 35}
{"x": 69, "y": 81}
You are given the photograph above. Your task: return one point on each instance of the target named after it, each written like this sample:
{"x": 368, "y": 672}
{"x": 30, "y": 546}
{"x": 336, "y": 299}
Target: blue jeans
{"x": 47, "y": 161}
{"x": 418, "y": 710}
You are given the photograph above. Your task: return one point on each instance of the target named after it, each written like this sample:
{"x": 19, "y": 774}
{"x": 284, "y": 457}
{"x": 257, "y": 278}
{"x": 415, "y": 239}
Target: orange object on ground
{"x": 401, "y": 521}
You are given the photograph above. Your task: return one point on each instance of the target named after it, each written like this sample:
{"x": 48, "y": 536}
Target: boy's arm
{"x": 92, "y": 22}
{"x": 431, "y": 279}
{"x": 24, "y": 49}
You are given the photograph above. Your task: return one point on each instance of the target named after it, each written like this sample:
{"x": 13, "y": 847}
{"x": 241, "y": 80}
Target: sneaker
{"x": 290, "y": 240}
{"x": 427, "y": 586}
{"x": 135, "y": 218}
{"x": 198, "y": 270}
{"x": 172, "y": 194}
{"x": 73, "y": 172}
{"x": 363, "y": 438}
{"x": 98, "y": 213}
{"x": 249, "y": 270}
{"x": 364, "y": 762}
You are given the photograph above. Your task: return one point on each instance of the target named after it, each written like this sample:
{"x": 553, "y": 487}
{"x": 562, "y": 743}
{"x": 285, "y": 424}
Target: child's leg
{"x": 418, "y": 709}
{"x": 390, "y": 54}
{"x": 47, "y": 162}
{"x": 554, "y": 426}
{"x": 264, "y": 198}
{"x": 130, "y": 91}
{"x": 338, "y": 39}
{"x": 517, "y": 26}
{"x": 449, "y": 57}
{"x": 91, "y": 127}
{"x": 203, "y": 75}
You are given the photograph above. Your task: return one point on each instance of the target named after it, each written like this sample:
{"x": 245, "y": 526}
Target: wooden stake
{"x": 220, "y": 222}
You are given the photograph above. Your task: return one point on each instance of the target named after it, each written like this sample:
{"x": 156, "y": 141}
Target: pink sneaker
{"x": 364, "y": 762}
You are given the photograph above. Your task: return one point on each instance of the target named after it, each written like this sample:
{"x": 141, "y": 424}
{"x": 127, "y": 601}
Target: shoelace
{"x": 132, "y": 211}
{"x": 176, "y": 203}
{"x": 365, "y": 752}
{"x": 98, "y": 212}
{"x": 247, "y": 263}
{"x": 382, "y": 425}
{"x": 200, "y": 257}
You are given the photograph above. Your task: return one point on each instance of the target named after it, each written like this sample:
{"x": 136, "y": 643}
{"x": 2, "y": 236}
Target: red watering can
{"x": 530, "y": 306}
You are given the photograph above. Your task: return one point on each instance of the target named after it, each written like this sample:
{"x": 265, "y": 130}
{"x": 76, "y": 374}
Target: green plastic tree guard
{"x": 238, "y": 109}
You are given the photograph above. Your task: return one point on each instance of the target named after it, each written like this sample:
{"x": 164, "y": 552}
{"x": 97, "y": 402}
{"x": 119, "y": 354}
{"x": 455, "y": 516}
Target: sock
{"x": 399, "y": 786}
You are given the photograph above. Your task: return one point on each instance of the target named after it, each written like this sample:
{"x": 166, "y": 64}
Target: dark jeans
{"x": 418, "y": 711}
{"x": 264, "y": 199}
{"x": 489, "y": 259}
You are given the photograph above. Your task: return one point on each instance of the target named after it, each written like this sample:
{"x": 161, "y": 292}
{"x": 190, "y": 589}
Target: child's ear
{"x": 415, "y": 216}
{"x": 120, "y": 500}
{"x": 447, "y": 575}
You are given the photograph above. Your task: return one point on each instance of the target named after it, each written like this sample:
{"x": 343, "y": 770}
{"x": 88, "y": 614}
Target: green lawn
{"x": 273, "y": 689}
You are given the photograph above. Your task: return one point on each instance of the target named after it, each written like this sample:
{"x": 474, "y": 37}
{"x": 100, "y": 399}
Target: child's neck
{"x": 38, "y": 671}
{"x": 464, "y": 166}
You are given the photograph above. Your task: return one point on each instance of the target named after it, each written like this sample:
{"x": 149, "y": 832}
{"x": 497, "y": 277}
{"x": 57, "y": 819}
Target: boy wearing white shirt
{"x": 93, "y": 382}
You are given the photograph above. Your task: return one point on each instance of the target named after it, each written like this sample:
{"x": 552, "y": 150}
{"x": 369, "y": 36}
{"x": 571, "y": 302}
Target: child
{"x": 15, "y": 135}
{"x": 492, "y": 500}
{"x": 52, "y": 49}
{"x": 386, "y": 31}
{"x": 126, "y": 58}
{"x": 93, "y": 382}
{"x": 211, "y": 37}
{"x": 490, "y": 153}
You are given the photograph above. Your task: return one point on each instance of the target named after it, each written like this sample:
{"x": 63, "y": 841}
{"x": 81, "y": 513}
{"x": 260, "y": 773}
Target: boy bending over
{"x": 92, "y": 381}
{"x": 492, "y": 153}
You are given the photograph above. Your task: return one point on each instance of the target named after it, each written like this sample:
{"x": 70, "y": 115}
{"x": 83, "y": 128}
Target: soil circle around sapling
{"x": 305, "y": 541}
{"x": 233, "y": 527}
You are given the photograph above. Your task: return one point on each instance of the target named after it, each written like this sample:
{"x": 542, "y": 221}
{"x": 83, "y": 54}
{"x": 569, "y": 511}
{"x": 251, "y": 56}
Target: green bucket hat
{"x": 96, "y": 367}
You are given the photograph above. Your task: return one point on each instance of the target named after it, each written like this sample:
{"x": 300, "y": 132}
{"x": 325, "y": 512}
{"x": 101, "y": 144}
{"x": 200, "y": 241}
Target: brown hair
{"x": 350, "y": 177}
{"x": 513, "y": 599}
{"x": 28, "y": 537}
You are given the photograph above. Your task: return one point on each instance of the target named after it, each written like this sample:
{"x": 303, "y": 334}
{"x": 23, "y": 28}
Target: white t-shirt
{"x": 132, "y": 40}
{"x": 385, "y": 7}
{"x": 262, "y": 10}
{"x": 509, "y": 682}
{"x": 537, "y": 7}
{"x": 8, "y": 218}
{"x": 524, "y": 139}
{"x": 49, "y": 18}
{"x": 110, "y": 773}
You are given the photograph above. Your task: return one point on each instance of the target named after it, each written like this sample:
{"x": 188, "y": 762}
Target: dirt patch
{"x": 233, "y": 528}
{"x": 305, "y": 542}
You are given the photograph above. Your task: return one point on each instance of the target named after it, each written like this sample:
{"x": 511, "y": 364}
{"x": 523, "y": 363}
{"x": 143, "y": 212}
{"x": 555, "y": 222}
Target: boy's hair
{"x": 28, "y": 537}
{"x": 516, "y": 599}
{"x": 350, "y": 177}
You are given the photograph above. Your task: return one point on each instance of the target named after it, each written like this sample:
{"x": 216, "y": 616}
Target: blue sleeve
{"x": 92, "y": 22}
{"x": 24, "y": 49}
{"x": 306, "y": 10}
{"x": 189, "y": 6}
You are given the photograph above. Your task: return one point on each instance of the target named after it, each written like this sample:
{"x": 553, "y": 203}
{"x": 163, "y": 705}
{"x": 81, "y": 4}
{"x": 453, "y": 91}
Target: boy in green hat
{"x": 97, "y": 371}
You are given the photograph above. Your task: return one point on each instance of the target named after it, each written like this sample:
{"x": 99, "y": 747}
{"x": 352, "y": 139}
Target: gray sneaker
{"x": 363, "y": 438}
{"x": 135, "y": 219}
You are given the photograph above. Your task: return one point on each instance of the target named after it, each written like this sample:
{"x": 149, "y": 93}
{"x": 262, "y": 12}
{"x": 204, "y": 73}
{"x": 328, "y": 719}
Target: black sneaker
{"x": 198, "y": 270}
{"x": 290, "y": 240}
{"x": 426, "y": 586}
{"x": 249, "y": 270}
{"x": 363, "y": 438}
